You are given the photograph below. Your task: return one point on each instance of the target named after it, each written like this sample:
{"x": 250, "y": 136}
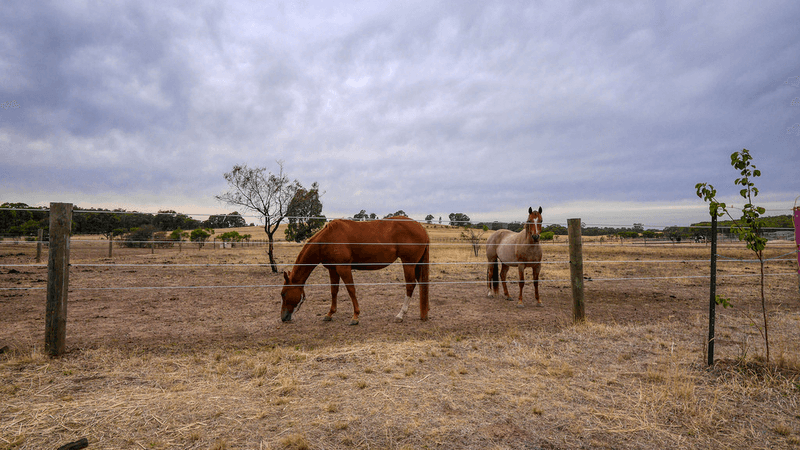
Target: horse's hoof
{"x": 539, "y": 304}
{"x": 520, "y": 305}
{"x": 354, "y": 322}
{"x": 327, "y": 318}
{"x": 398, "y": 320}
{"x": 509, "y": 299}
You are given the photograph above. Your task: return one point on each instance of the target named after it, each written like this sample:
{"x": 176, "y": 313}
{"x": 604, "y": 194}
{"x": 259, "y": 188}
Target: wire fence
{"x": 478, "y": 264}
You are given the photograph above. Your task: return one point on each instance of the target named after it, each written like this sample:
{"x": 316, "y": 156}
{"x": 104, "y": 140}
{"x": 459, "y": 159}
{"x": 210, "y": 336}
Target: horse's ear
{"x": 540, "y": 210}
{"x": 286, "y": 276}
{"x": 530, "y": 210}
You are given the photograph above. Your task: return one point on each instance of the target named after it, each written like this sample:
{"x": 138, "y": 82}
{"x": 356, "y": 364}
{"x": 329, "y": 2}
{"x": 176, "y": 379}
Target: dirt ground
{"x": 163, "y": 298}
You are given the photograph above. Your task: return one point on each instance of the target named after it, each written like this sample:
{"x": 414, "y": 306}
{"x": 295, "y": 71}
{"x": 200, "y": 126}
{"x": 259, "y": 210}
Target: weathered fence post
{"x": 39, "y": 239}
{"x": 712, "y": 291}
{"x": 57, "y": 279}
{"x": 576, "y": 268}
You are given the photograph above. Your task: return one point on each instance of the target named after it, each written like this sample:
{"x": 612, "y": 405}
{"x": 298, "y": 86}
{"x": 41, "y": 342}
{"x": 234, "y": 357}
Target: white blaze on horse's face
{"x": 534, "y": 223}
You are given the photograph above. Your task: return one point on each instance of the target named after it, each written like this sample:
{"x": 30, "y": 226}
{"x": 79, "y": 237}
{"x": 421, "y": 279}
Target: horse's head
{"x": 292, "y": 296}
{"x": 533, "y": 226}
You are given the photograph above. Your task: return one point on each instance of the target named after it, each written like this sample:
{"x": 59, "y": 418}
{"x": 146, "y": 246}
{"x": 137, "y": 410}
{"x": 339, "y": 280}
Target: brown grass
{"x": 224, "y": 376}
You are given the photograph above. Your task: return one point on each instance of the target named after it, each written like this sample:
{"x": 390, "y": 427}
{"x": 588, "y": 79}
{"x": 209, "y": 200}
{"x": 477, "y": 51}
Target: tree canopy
{"x": 304, "y": 214}
{"x": 232, "y": 220}
{"x": 260, "y": 191}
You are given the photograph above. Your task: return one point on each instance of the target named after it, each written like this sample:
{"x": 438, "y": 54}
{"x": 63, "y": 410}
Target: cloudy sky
{"x": 607, "y": 111}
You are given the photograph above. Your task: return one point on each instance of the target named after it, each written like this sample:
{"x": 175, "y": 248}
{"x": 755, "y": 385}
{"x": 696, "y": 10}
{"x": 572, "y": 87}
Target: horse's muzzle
{"x": 286, "y": 316}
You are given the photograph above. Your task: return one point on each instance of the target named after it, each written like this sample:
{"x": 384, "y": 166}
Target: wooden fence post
{"x": 110, "y": 244}
{"x": 39, "y": 245}
{"x": 57, "y": 279}
{"x": 712, "y": 291}
{"x": 576, "y": 268}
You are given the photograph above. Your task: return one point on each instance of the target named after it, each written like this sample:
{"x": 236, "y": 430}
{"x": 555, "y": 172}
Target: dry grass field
{"x": 170, "y": 349}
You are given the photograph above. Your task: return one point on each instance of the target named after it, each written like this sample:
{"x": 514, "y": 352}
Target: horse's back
{"x": 502, "y": 245}
{"x": 386, "y": 231}
{"x": 388, "y": 240}
{"x": 405, "y": 230}
{"x": 499, "y": 236}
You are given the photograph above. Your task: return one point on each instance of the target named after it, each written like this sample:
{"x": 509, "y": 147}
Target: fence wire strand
{"x": 721, "y": 258}
{"x": 393, "y": 283}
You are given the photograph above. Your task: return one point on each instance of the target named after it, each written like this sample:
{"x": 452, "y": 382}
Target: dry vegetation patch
{"x": 591, "y": 385}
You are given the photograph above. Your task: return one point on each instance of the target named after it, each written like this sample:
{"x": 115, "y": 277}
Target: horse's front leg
{"x": 334, "y": 276}
{"x": 536, "y": 269}
{"x": 521, "y": 269}
{"x": 346, "y": 274}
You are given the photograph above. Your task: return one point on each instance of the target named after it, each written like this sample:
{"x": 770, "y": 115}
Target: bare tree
{"x": 471, "y": 235}
{"x": 261, "y": 191}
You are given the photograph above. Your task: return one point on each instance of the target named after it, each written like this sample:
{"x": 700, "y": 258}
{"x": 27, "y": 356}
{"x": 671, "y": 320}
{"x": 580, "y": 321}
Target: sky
{"x": 606, "y": 111}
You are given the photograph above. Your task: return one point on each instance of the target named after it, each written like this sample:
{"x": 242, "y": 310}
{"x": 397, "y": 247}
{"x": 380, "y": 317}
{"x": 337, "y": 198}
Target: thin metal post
{"x": 40, "y": 235}
{"x": 796, "y": 220}
{"x": 712, "y": 291}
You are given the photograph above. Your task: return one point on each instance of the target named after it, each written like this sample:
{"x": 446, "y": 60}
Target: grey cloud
{"x": 428, "y": 106}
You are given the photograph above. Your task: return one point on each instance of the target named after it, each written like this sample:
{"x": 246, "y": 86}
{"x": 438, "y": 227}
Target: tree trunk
{"x": 271, "y": 247}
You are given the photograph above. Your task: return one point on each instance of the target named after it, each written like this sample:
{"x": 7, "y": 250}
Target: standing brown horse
{"x": 344, "y": 245}
{"x": 520, "y": 250}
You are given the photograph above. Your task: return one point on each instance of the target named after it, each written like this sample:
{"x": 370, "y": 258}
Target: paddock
{"x": 186, "y": 348}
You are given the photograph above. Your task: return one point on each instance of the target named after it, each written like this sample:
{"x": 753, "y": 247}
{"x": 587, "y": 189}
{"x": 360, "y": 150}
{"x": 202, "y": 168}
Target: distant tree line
{"x": 20, "y": 219}
{"x": 363, "y": 216}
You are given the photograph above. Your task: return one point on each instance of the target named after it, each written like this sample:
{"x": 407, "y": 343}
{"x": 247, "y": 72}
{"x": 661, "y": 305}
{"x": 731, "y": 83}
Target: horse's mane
{"x": 316, "y": 236}
{"x": 308, "y": 250}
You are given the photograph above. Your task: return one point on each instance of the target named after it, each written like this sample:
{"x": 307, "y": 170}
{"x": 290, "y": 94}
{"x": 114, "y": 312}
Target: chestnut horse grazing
{"x": 520, "y": 250}
{"x": 344, "y": 245}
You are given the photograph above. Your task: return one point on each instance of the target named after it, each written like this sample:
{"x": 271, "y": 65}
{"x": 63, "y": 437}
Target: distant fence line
{"x": 722, "y": 259}
{"x": 640, "y": 242}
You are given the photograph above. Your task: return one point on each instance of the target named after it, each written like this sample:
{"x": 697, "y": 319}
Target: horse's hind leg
{"x": 410, "y": 276}
{"x": 503, "y": 273}
{"x": 334, "y": 276}
{"x": 492, "y": 280}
